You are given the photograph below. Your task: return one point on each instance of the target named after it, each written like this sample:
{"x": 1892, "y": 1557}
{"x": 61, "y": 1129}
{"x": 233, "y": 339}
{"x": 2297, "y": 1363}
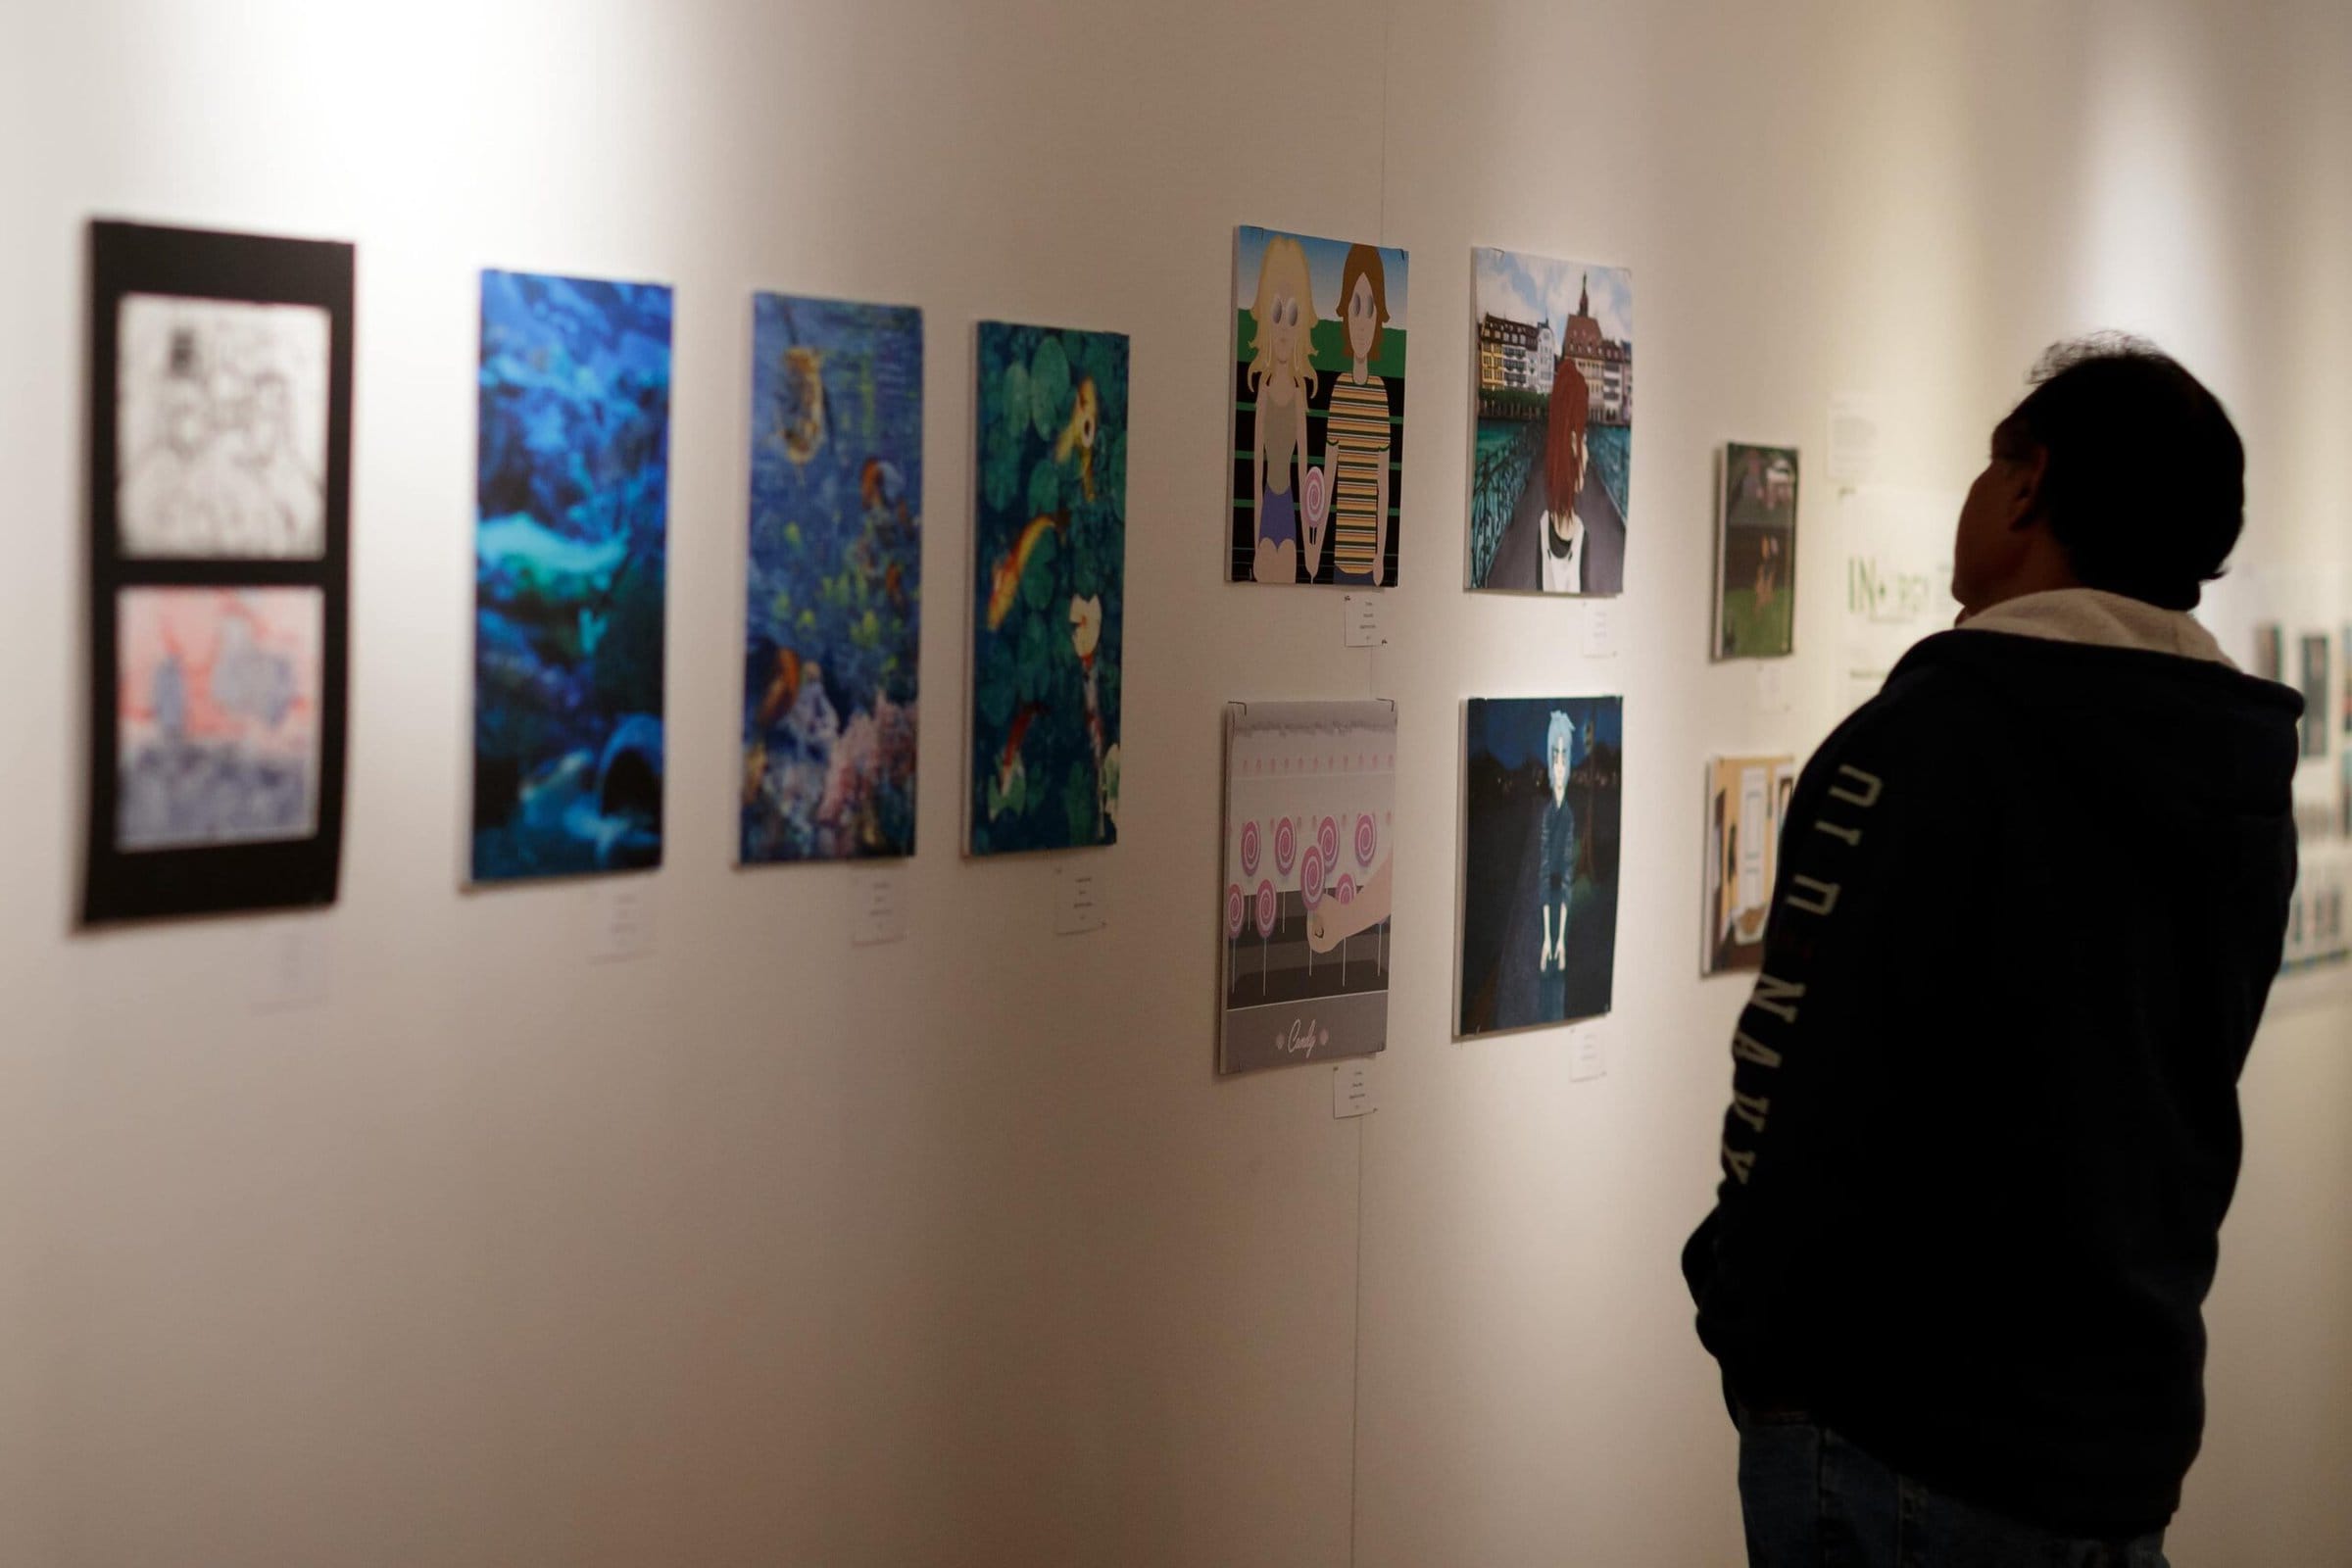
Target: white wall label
{"x": 1364, "y": 621}
{"x": 1589, "y": 1053}
{"x": 1352, "y": 1089}
{"x": 1601, "y": 628}
{"x": 1853, "y": 458}
{"x": 620, "y": 920}
{"x": 290, "y": 968}
{"x": 877, "y": 914}
{"x": 1772, "y": 686}
{"x": 1077, "y": 900}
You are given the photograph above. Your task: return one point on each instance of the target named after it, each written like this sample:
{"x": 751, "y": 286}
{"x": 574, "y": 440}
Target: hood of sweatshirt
{"x": 2174, "y": 734}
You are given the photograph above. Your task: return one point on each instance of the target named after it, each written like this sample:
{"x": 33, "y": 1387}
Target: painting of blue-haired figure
{"x": 1542, "y": 792}
{"x": 569, "y": 558}
{"x": 835, "y": 580}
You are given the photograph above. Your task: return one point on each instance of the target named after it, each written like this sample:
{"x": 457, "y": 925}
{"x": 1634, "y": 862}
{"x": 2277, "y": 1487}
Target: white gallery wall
{"x": 767, "y": 1249}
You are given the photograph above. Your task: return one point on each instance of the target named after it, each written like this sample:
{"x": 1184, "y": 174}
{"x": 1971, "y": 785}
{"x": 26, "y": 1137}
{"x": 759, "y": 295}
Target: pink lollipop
{"x": 1310, "y": 890}
{"x": 1249, "y": 848}
{"x": 1268, "y": 906}
{"x": 1368, "y": 841}
{"x": 1237, "y": 909}
{"x": 1286, "y": 846}
{"x": 1345, "y": 894}
{"x": 1327, "y": 838}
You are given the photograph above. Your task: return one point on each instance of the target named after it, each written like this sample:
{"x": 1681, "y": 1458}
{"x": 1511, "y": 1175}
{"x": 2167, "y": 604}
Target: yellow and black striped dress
{"x": 1355, "y": 434}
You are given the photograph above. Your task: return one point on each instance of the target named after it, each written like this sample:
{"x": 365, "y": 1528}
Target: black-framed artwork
{"x": 219, "y": 485}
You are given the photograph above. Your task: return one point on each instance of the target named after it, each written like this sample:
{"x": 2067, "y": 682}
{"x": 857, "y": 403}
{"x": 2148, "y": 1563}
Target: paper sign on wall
{"x": 291, "y": 970}
{"x": 620, "y": 920}
{"x": 1365, "y": 624}
{"x": 1853, "y": 458}
{"x": 1351, "y": 1090}
{"x": 1077, "y": 900}
{"x": 1589, "y": 1057}
{"x": 1601, "y": 628}
{"x": 877, "y": 914}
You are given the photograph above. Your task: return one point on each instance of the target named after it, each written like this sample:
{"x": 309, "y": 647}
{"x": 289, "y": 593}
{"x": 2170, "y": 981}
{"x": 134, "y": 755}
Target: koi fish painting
{"x": 1049, "y": 611}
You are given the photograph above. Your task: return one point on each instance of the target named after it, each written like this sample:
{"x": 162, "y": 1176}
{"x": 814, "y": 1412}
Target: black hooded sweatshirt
{"x": 1985, "y": 1117}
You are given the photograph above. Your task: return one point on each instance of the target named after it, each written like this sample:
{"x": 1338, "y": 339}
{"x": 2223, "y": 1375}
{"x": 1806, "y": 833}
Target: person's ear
{"x": 2025, "y": 494}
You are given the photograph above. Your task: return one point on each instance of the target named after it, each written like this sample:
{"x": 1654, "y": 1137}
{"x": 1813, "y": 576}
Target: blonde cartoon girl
{"x": 1282, "y": 378}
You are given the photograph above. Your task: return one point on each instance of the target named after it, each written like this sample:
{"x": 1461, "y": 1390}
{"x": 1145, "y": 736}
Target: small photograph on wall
{"x": 2270, "y": 652}
{"x": 221, "y": 421}
{"x": 216, "y": 718}
{"x": 220, "y": 457}
{"x": 1309, "y": 830}
{"x": 2344, "y": 681}
{"x": 570, "y": 559}
{"x": 1755, "y": 562}
{"x": 835, "y": 580}
{"x": 1049, "y": 535}
{"x": 1542, "y": 797}
{"x": 2316, "y": 707}
{"x": 1747, "y": 800}
{"x": 1318, "y": 410}
{"x": 1551, "y": 467}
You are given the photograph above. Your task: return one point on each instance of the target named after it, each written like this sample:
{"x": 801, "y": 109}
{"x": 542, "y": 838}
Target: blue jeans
{"x": 1811, "y": 1499}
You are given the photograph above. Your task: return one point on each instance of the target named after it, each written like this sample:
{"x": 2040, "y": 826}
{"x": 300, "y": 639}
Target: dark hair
{"x": 1363, "y": 261}
{"x": 2144, "y": 485}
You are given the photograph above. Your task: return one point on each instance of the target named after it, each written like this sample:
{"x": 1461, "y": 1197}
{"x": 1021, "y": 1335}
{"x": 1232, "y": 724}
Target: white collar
{"x": 2103, "y": 621}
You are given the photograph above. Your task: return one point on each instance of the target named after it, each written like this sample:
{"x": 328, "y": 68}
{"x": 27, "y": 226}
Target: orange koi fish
{"x": 1078, "y": 436}
{"x": 802, "y": 423}
{"x": 1005, "y": 579}
{"x": 1010, "y": 757}
{"x": 783, "y": 689}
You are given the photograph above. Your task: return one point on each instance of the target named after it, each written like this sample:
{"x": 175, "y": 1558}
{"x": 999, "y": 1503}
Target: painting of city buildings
{"x": 1552, "y": 460}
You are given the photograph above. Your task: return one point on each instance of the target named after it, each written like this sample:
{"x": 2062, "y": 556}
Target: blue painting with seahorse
{"x": 570, "y": 552}
{"x": 1050, "y": 533}
{"x": 835, "y": 580}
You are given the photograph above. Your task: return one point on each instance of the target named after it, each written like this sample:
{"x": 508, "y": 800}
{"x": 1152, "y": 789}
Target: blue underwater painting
{"x": 835, "y": 580}
{"x": 569, "y": 573}
{"x": 1049, "y": 535}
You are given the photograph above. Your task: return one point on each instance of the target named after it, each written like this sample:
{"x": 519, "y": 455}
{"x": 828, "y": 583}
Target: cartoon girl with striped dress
{"x": 1358, "y": 438}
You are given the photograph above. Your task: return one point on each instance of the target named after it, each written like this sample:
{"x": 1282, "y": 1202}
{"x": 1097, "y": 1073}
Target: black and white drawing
{"x": 219, "y": 571}
{"x": 220, "y": 425}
